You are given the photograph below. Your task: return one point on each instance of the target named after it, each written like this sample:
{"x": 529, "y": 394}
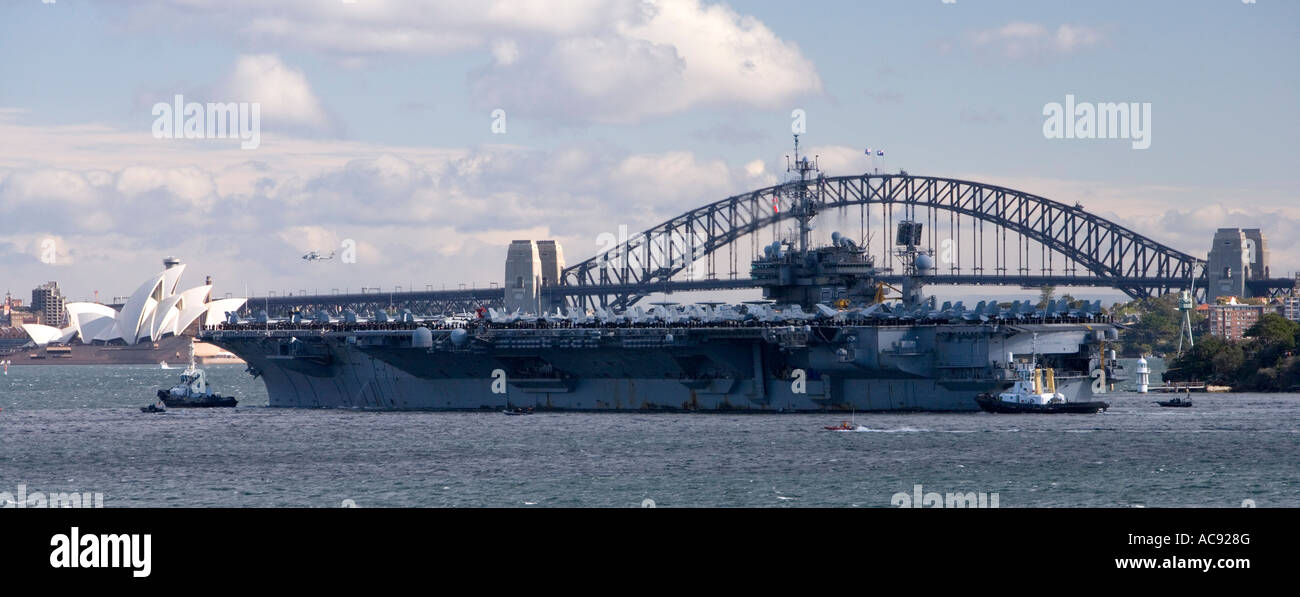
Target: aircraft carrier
{"x": 824, "y": 339}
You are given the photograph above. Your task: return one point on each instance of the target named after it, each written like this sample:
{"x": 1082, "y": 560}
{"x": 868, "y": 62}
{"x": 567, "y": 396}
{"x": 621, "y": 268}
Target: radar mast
{"x": 804, "y": 209}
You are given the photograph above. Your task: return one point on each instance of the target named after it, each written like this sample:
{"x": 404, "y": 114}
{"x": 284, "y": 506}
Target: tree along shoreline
{"x": 1264, "y": 361}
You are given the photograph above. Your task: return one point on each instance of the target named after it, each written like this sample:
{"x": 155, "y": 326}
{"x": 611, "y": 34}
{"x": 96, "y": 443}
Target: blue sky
{"x": 377, "y": 123}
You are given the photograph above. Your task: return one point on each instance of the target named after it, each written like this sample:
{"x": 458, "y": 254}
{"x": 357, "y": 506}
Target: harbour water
{"x": 79, "y": 429}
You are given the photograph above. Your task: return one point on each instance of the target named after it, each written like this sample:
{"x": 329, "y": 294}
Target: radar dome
{"x": 459, "y": 336}
{"x": 924, "y": 263}
{"x": 422, "y": 337}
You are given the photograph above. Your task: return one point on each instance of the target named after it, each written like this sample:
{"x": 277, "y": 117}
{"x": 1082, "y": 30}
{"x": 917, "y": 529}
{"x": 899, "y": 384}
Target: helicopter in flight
{"x": 314, "y": 256}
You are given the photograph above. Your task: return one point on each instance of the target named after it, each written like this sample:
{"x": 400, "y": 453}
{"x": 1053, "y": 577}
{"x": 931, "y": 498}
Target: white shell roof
{"x": 91, "y": 320}
{"x": 154, "y": 311}
{"x": 193, "y": 304}
{"x": 217, "y": 309}
{"x": 42, "y": 334}
{"x": 139, "y": 308}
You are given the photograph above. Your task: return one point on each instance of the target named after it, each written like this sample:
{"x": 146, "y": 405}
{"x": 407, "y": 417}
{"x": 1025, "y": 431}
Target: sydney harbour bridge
{"x": 981, "y": 234}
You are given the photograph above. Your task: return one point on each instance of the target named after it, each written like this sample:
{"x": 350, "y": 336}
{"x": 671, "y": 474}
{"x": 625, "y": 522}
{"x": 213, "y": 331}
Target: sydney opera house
{"x": 156, "y": 309}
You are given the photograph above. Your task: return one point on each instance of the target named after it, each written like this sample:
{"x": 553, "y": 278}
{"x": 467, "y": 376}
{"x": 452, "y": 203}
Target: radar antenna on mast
{"x": 804, "y": 210}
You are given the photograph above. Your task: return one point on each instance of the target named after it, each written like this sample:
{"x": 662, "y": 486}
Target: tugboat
{"x": 1028, "y": 395}
{"x": 193, "y": 391}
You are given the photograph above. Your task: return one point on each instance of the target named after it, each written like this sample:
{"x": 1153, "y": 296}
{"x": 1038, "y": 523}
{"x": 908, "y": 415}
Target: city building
{"x": 7, "y": 309}
{"x": 48, "y": 304}
{"x": 1230, "y": 320}
{"x": 14, "y": 314}
{"x": 21, "y": 316}
{"x": 1291, "y": 308}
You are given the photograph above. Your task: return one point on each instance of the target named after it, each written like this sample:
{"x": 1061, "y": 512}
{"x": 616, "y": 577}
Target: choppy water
{"x": 78, "y": 428}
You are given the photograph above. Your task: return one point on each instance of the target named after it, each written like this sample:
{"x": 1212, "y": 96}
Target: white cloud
{"x": 1071, "y": 37}
{"x": 729, "y": 56}
{"x": 309, "y": 238}
{"x": 1022, "y": 40}
{"x": 407, "y": 26}
{"x": 838, "y": 160}
{"x": 505, "y": 51}
{"x": 283, "y": 96}
{"x": 419, "y": 216}
{"x": 575, "y": 61}
{"x": 683, "y": 56}
{"x": 282, "y": 90}
{"x": 53, "y": 185}
{"x": 189, "y": 184}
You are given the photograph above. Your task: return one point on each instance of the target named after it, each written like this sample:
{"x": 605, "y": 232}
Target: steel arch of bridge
{"x": 1108, "y": 250}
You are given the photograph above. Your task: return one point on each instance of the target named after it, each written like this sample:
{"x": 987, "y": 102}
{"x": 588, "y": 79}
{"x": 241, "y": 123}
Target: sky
{"x": 422, "y": 137}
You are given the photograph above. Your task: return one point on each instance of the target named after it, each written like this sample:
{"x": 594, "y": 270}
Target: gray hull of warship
{"x": 796, "y": 368}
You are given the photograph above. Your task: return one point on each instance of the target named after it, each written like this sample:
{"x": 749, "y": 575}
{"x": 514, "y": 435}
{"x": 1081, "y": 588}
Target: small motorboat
{"x": 157, "y": 407}
{"x": 518, "y": 410}
{"x": 1176, "y": 402}
{"x": 844, "y": 426}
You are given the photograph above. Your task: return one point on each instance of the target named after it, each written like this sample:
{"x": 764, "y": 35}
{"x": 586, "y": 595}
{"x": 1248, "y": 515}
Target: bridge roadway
{"x": 445, "y": 301}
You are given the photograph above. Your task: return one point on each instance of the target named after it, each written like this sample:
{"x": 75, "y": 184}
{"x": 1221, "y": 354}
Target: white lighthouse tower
{"x": 1144, "y": 375}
